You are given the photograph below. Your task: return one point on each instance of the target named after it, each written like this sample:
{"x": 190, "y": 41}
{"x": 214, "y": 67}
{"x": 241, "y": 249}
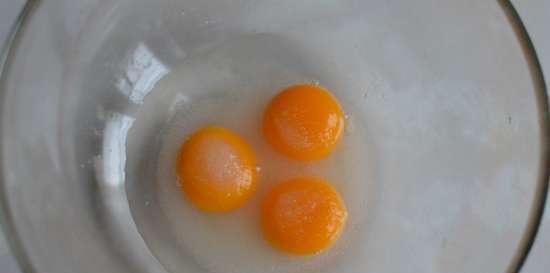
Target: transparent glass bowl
{"x": 456, "y": 113}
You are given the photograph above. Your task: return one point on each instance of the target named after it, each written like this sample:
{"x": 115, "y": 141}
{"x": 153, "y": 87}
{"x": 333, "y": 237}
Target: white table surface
{"x": 535, "y": 15}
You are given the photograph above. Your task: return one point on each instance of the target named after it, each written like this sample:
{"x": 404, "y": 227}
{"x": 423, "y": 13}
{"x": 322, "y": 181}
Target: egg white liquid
{"x": 230, "y": 86}
{"x": 427, "y": 162}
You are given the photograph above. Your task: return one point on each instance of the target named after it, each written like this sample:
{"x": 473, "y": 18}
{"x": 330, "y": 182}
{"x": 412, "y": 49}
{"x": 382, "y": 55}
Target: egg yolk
{"x": 217, "y": 169}
{"x": 303, "y": 216}
{"x": 303, "y": 122}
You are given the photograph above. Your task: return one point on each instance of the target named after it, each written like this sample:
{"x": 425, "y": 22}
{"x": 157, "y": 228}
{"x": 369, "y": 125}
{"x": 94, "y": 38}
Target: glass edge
{"x": 6, "y": 224}
{"x": 541, "y": 193}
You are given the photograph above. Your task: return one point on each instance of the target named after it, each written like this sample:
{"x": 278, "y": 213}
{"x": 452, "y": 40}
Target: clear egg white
{"x": 230, "y": 87}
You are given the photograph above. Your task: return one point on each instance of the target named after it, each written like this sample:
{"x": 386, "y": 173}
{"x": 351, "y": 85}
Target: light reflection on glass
{"x": 110, "y": 165}
{"x": 116, "y": 214}
{"x": 142, "y": 71}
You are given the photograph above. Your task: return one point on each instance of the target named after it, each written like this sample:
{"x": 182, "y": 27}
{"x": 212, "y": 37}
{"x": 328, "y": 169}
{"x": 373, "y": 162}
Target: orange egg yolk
{"x": 303, "y": 122}
{"x": 217, "y": 169}
{"x": 303, "y": 216}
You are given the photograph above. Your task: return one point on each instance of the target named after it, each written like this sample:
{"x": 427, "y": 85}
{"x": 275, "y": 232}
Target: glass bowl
{"x": 449, "y": 93}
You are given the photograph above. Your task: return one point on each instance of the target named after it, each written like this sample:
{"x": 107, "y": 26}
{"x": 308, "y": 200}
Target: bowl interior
{"x": 442, "y": 93}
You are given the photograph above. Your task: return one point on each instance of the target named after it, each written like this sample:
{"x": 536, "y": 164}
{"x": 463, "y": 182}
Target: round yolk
{"x": 303, "y": 216}
{"x": 217, "y": 169}
{"x": 303, "y": 122}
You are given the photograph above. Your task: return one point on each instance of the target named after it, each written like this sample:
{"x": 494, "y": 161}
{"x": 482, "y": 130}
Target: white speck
{"x": 258, "y": 168}
{"x": 147, "y": 203}
{"x": 182, "y": 12}
{"x": 346, "y": 116}
{"x": 316, "y": 83}
{"x": 179, "y": 100}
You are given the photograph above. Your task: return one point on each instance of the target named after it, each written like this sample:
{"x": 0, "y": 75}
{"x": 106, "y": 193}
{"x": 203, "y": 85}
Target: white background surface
{"x": 535, "y": 14}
